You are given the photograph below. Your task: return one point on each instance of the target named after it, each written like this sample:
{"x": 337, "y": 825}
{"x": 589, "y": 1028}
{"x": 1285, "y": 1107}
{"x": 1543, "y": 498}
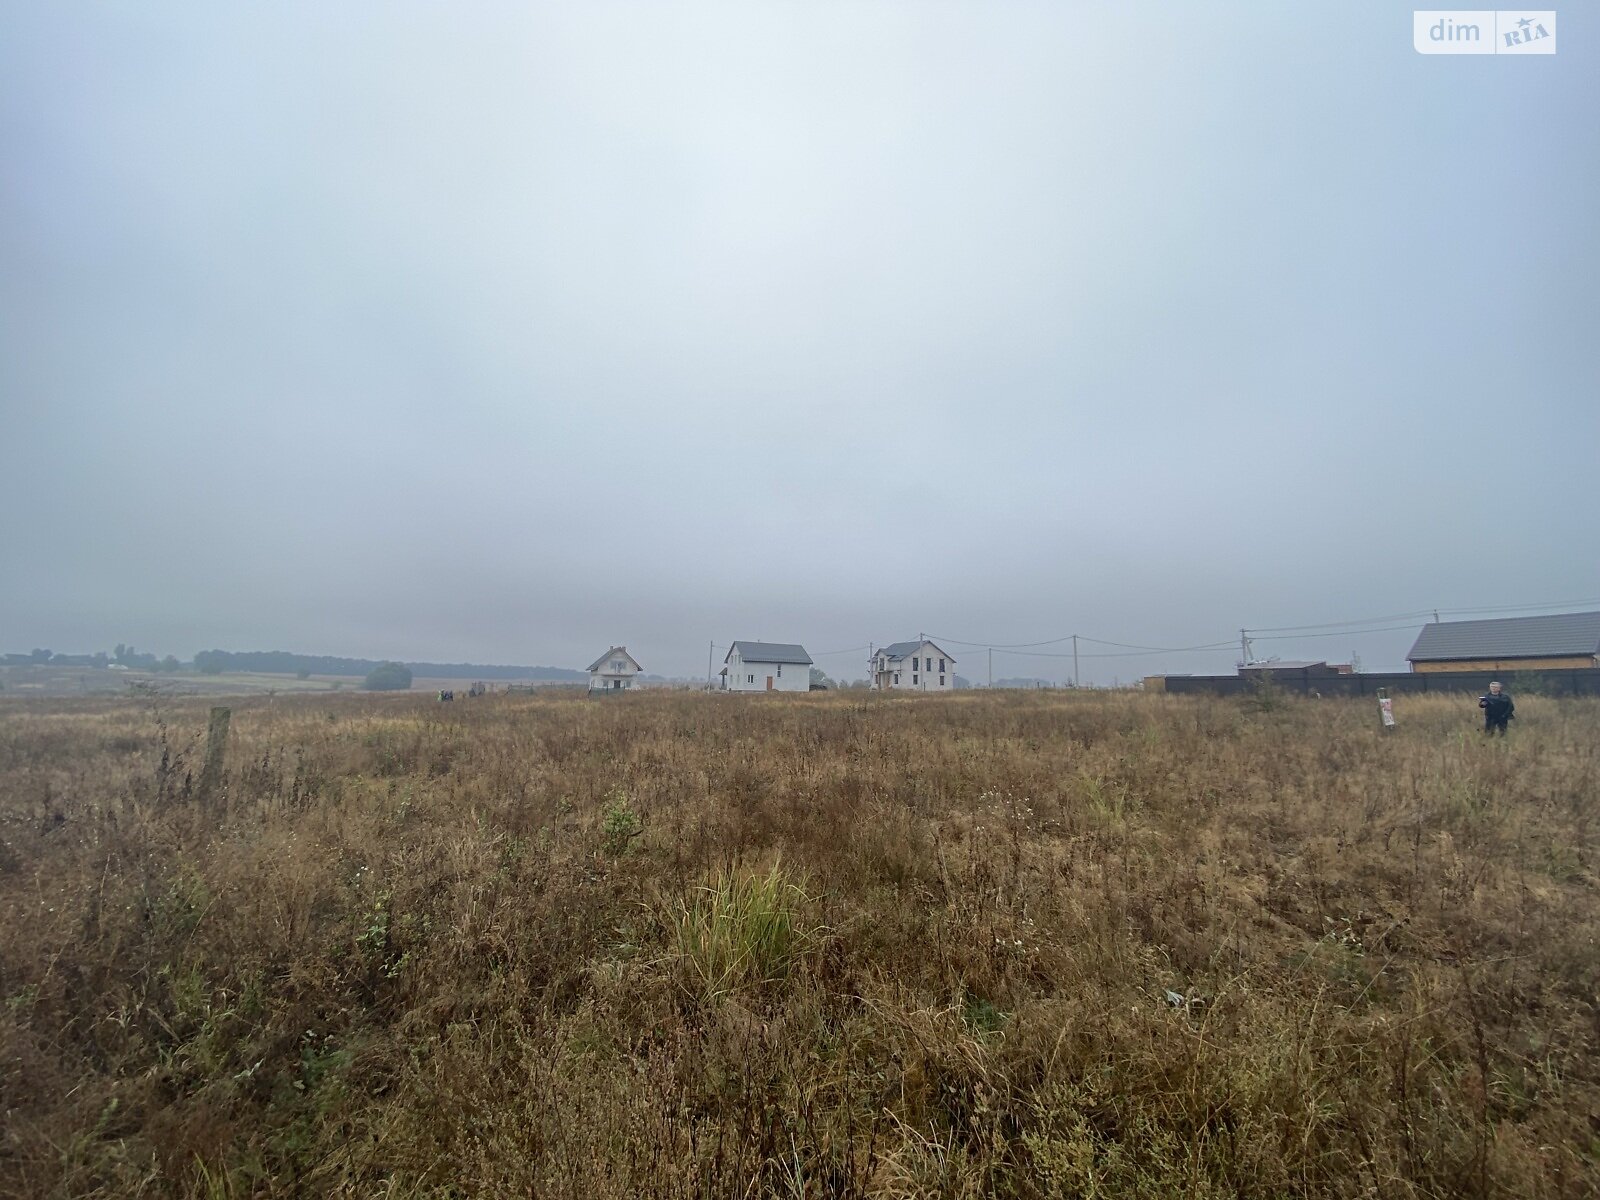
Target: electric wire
{"x": 1424, "y": 612}
{"x": 1316, "y": 632}
{"x": 1264, "y": 629}
{"x": 1323, "y": 637}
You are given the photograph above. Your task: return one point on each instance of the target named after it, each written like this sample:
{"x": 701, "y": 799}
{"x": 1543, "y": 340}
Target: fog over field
{"x": 507, "y": 333}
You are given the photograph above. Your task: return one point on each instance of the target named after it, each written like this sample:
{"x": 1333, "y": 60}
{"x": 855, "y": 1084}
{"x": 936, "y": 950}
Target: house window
{"x": 749, "y": 678}
{"x": 941, "y": 664}
{"x": 913, "y": 681}
{"x": 914, "y": 665}
{"x": 941, "y": 681}
{"x": 780, "y": 670}
{"x": 617, "y": 666}
{"x": 897, "y": 676}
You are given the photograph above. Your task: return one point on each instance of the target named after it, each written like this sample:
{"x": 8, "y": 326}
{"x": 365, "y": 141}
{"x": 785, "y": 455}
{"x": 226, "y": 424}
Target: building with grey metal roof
{"x": 770, "y": 652}
{"x": 1556, "y": 641}
{"x": 759, "y": 667}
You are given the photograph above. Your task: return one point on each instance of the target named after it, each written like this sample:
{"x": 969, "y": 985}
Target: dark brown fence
{"x": 1541, "y": 683}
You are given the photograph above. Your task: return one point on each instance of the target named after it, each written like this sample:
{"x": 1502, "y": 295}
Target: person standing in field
{"x": 1498, "y": 708}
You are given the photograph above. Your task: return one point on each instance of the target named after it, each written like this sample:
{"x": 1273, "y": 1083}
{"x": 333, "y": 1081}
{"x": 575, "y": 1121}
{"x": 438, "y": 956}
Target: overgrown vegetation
{"x": 388, "y": 677}
{"x": 741, "y": 929}
{"x": 1031, "y": 945}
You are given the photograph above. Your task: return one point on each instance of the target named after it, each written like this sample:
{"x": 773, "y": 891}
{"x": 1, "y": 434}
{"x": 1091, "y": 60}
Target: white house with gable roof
{"x": 766, "y": 667}
{"x": 913, "y": 667}
{"x": 613, "y": 671}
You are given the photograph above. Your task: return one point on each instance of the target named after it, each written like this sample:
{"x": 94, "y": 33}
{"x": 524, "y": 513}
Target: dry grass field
{"x": 1030, "y": 945}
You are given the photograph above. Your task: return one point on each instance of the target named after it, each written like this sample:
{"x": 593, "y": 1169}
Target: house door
{"x": 769, "y": 683}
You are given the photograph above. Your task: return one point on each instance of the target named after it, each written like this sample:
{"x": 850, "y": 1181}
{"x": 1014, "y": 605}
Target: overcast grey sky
{"x": 508, "y": 332}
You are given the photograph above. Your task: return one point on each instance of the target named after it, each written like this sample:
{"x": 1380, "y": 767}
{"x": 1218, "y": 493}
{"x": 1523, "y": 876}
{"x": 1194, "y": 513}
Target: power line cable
{"x": 1230, "y": 642}
{"x": 1019, "y": 647}
{"x": 1339, "y": 624}
{"x": 1517, "y": 607}
{"x": 1424, "y": 612}
{"x": 1123, "y": 654}
{"x": 1267, "y": 633}
{"x": 1322, "y": 637}
{"x": 935, "y": 637}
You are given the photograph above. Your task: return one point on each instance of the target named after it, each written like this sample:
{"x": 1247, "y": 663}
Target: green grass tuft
{"x": 740, "y": 930}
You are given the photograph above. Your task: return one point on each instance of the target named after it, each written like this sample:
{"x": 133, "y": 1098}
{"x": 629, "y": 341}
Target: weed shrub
{"x": 741, "y": 929}
{"x": 619, "y": 824}
{"x": 1018, "y": 945}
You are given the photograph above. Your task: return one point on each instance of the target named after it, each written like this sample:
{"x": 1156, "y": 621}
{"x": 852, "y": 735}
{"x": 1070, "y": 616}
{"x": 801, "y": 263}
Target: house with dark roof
{"x": 613, "y": 671}
{"x": 919, "y": 666}
{"x": 766, "y": 667}
{"x": 1562, "y": 641}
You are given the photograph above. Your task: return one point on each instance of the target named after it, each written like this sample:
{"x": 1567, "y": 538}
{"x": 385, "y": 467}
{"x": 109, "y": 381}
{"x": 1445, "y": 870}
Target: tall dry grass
{"x": 1015, "y": 944}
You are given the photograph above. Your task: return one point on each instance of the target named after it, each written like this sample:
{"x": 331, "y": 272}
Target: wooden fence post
{"x": 216, "y": 747}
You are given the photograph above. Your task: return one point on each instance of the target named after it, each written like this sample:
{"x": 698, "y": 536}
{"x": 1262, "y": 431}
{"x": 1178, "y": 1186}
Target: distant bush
{"x": 388, "y": 677}
{"x": 1266, "y": 693}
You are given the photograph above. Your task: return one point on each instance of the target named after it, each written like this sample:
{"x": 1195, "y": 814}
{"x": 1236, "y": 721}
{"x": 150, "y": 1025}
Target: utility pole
{"x": 1436, "y": 616}
{"x": 991, "y": 668}
{"x": 1074, "y": 660}
{"x": 711, "y": 650}
{"x": 1244, "y": 649}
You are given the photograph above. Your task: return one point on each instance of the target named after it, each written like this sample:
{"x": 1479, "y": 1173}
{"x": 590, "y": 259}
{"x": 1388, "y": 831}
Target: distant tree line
{"x": 123, "y": 656}
{"x": 275, "y": 662}
{"x": 284, "y": 662}
{"x": 127, "y": 656}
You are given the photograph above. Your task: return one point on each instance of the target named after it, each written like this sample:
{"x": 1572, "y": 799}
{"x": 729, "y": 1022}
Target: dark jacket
{"x": 1497, "y": 708}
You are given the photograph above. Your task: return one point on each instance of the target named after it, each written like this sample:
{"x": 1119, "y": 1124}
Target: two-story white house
{"x": 766, "y": 667}
{"x": 613, "y": 671}
{"x": 913, "y": 667}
